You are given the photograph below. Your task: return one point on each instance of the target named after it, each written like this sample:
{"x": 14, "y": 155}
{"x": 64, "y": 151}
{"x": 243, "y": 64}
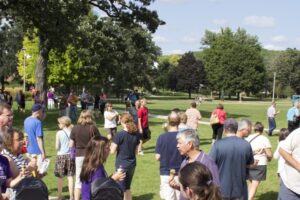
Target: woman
{"x": 196, "y": 183}
{"x": 220, "y": 116}
{"x": 110, "y": 121}
{"x": 262, "y": 152}
{"x": 133, "y": 111}
{"x": 183, "y": 120}
{"x": 96, "y": 154}
{"x": 80, "y": 136}
{"x": 64, "y": 165}
{"x": 282, "y": 135}
{"x": 125, "y": 143}
{"x": 20, "y": 98}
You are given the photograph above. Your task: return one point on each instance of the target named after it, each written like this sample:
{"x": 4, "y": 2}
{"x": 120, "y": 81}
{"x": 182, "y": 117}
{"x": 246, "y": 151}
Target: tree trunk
{"x": 41, "y": 69}
{"x": 190, "y": 93}
{"x": 2, "y": 83}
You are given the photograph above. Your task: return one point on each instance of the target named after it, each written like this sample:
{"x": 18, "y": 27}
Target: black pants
{"x": 217, "y": 131}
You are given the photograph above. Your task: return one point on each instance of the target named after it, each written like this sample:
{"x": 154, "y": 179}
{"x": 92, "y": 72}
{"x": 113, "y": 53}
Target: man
{"x": 169, "y": 157}
{"x": 271, "y": 113}
{"x": 232, "y": 156}
{"x": 290, "y": 176}
{"x": 193, "y": 116}
{"x": 33, "y": 127}
{"x": 188, "y": 145}
{"x": 293, "y": 116}
{"x": 72, "y": 107}
{"x": 143, "y": 125}
{"x": 6, "y": 116}
{"x": 244, "y": 128}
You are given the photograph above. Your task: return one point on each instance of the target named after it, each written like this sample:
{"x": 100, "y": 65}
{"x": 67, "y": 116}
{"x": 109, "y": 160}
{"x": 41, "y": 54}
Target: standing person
{"x": 283, "y": 133}
{"x": 232, "y": 155}
{"x": 33, "y": 128}
{"x": 183, "y": 120}
{"x": 196, "y": 183}
{"x": 168, "y": 156}
{"x": 50, "y": 97}
{"x": 81, "y": 134}
{"x": 37, "y": 98}
{"x": 271, "y": 113}
{"x": 83, "y": 99}
{"x": 290, "y": 176}
{"x": 6, "y": 117}
{"x": 64, "y": 165}
{"x": 20, "y": 98}
{"x": 262, "y": 150}
{"x": 133, "y": 111}
{"x": 293, "y": 116}
{"x": 244, "y": 128}
{"x": 217, "y": 127}
{"x": 193, "y": 116}
{"x": 143, "y": 124}
{"x": 97, "y": 151}
{"x": 9, "y": 98}
{"x": 72, "y": 106}
{"x": 110, "y": 121}
{"x": 125, "y": 143}
{"x": 63, "y": 105}
{"x": 103, "y": 99}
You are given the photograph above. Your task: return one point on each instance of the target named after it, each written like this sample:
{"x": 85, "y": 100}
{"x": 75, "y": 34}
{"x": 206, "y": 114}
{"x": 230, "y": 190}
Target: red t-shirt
{"x": 221, "y": 115}
{"x": 143, "y": 115}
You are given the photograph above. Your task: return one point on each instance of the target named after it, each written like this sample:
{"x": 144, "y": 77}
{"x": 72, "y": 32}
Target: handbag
{"x": 214, "y": 119}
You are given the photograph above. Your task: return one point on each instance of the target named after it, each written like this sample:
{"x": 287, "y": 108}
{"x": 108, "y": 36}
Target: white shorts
{"x": 78, "y": 166}
{"x": 166, "y": 192}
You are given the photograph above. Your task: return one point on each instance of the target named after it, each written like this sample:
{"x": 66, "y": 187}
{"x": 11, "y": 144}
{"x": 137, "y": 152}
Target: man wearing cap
{"x": 33, "y": 127}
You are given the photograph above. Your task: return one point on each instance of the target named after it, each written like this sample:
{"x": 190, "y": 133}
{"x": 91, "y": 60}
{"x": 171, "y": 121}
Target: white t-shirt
{"x": 110, "y": 123}
{"x": 193, "y": 116}
{"x": 271, "y": 111}
{"x": 290, "y": 176}
{"x": 280, "y": 159}
{"x": 260, "y": 142}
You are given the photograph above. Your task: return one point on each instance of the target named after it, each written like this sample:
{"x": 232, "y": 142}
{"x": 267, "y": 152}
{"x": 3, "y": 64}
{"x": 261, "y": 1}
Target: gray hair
{"x": 189, "y": 135}
{"x": 244, "y": 124}
{"x": 230, "y": 125}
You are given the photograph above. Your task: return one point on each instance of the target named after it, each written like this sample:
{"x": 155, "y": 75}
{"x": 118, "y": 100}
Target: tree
{"x": 190, "y": 73}
{"x": 287, "y": 66}
{"x": 56, "y": 22}
{"x": 233, "y": 61}
{"x": 10, "y": 43}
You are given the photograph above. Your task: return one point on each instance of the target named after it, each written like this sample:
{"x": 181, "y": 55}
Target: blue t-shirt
{"x": 291, "y": 113}
{"x": 86, "y": 185}
{"x": 232, "y": 156}
{"x": 5, "y": 172}
{"x": 33, "y": 128}
{"x": 170, "y": 158}
{"x": 127, "y": 144}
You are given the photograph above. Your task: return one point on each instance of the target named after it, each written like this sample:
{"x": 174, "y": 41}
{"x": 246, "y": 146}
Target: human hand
{"x": 174, "y": 184}
{"x": 119, "y": 175}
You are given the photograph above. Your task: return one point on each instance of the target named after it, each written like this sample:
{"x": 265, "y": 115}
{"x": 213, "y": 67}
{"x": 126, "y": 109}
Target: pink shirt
{"x": 193, "y": 116}
{"x": 221, "y": 115}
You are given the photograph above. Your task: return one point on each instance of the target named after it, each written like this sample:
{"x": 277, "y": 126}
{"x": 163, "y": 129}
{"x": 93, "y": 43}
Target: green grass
{"x": 146, "y": 181}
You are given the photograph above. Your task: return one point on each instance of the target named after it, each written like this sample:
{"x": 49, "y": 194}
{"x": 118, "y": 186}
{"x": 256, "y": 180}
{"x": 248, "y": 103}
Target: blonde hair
{"x": 128, "y": 121}
{"x": 86, "y": 117}
{"x": 65, "y": 120}
{"x": 183, "y": 117}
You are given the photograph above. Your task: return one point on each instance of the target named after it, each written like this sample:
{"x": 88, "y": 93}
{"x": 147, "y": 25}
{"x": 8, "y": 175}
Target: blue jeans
{"x": 287, "y": 194}
{"x": 73, "y": 113}
{"x": 272, "y": 125}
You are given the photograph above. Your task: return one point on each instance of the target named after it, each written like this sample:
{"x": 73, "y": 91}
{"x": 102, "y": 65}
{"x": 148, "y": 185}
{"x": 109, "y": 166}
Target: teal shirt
{"x": 64, "y": 139}
{"x": 291, "y": 113}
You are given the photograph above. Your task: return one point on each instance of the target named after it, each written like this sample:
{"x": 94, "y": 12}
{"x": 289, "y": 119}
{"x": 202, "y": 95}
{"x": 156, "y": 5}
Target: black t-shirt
{"x": 127, "y": 144}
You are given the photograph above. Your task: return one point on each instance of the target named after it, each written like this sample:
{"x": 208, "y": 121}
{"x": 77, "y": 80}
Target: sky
{"x": 274, "y": 22}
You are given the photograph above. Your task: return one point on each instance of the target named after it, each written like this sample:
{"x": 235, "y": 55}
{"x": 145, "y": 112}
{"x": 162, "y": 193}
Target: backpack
{"x": 106, "y": 188}
{"x": 31, "y": 188}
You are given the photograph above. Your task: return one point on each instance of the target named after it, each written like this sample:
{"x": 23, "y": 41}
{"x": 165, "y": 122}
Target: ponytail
{"x": 128, "y": 121}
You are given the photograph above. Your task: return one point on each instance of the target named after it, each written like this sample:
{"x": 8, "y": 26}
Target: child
{"x": 110, "y": 121}
{"x": 64, "y": 165}
{"x": 283, "y": 133}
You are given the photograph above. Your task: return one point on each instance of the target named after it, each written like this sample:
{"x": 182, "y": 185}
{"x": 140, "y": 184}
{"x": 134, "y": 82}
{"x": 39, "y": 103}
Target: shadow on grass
{"x": 268, "y": 195}
{"x": 148, "y": 196}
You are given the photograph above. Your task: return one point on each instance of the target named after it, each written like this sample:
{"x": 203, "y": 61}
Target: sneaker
{"x": 141, "y": 153}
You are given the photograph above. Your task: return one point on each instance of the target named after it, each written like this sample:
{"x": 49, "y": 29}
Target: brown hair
{"x": 8, "y": 138}
{"x": 193, "y": 104}
{"x": 183, "y": 117}
{"x": 258, "y": 127}
{"x": 198, "y": 178}
{"x": 173, "y": 119}
{"x": 283, "y": 133}
{"x": 94, "y": 157}
{"x": 4, "y": 106}
{"x": 86, "y": 117}
{"x": 220, "y": 106}
{"x": 128, "y": 121}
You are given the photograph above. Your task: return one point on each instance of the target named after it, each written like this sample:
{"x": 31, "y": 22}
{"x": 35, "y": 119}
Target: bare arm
{"x": 72, "y": 143}
{"x": 113, "y": 148}
{"x": 57, "y": 143}
{"x": 269, "y": 153}
{"x": 289, "y": 159}
{"x": 157, "y": 157}
{"x": 140, "y": 125}
{"x": 40, "y": 142}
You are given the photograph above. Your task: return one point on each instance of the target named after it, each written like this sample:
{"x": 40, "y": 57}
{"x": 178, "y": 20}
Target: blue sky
{"x": 275, "y": 23}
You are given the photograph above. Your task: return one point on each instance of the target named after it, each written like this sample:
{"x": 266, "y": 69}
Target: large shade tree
{"x": 233, "y": 61}
{"x": 56, "y": 22}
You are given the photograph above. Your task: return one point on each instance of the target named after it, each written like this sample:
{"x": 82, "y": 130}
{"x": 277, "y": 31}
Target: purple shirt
{"x": 50, "y": 95}
{"x": 209, "y": 163}
{"x": 86, "y": 185}
{"x": 5, "y": 173}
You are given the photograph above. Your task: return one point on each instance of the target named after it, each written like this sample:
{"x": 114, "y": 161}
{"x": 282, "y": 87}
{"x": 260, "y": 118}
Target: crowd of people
{"x": 232, "y": 170}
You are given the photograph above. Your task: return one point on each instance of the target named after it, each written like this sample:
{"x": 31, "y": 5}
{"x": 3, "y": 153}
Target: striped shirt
{"x": 18, "y": 160}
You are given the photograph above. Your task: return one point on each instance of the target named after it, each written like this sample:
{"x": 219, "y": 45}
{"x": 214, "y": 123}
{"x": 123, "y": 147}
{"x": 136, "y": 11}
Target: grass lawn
{"x": 146, "y": 181}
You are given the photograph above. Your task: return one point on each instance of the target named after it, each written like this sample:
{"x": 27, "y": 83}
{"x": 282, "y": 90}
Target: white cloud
{"x": 259, "y": 21}
{"x": 192, "y": 38}
{"x": 273, "y": 47}
{"x": 220, "y": 22}
{"x": 160, "y": 39}
{"x": 279, "y": 38}
{"x": 176, "y": 51}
